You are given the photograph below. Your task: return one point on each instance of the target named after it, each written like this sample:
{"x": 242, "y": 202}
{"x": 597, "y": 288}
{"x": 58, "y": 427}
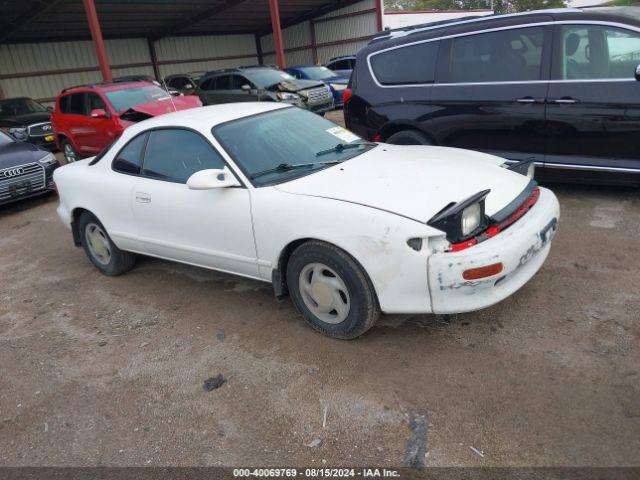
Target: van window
{"x": 415, "y": 64}
{"x": 503, "y": 56}
{"x": 597, "y": 52}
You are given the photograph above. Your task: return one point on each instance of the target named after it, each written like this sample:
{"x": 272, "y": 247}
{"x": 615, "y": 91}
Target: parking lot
{"x": 110, "y": 371}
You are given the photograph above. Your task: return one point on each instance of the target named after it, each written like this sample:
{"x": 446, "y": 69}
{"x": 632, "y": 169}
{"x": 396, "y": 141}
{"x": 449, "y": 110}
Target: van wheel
{"x": 409, "y": 137}
{"x": 69, "y": 152}
{"x": 331, "y": 291}
{"x": 100, "y": 249}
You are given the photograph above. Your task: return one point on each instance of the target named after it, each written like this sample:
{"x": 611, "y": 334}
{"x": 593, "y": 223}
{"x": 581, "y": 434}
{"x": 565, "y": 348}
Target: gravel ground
{"x": 111, "y": 371}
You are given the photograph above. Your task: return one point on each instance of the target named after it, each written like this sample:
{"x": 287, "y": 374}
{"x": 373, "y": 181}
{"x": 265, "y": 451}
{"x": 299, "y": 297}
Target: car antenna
{"x": 166, "y": 89}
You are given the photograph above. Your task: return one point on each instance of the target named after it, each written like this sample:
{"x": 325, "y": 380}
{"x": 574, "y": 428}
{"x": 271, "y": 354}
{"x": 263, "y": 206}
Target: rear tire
{"x": 409, "y": 137}
{"x": 100, "y": 249}
{"x": 331, "y": 291}
{"x": 70, "y": 153}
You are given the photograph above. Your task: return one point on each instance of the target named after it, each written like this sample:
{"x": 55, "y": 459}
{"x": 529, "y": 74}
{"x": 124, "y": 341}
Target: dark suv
{"x": 557, "y": 86}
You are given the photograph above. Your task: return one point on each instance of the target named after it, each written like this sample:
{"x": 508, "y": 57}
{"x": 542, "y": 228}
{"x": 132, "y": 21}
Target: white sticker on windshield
{"x": 343, "y": 134}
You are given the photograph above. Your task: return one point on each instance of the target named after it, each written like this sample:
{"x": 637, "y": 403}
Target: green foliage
{"x": 500, "y": 6}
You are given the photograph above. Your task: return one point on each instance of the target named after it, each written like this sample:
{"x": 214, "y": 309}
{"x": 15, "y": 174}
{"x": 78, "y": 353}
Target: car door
{"x": 211, "y": 228}
{"x": 238, "y": 94}
{"x": 76, "y": 120}
{"x": 220, "y": 90}
{"x": 593, "y": 110}
{"x": 99, "y": 132}
{"x": 490, "y": 92}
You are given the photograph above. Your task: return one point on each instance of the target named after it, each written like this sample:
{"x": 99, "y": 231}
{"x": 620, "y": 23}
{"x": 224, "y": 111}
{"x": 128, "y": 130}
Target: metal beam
{"x": 274, "y": 10}
{"x": 259, "y": 50}
{"x": 27, "y": 17}
{"x": 154, "y": 59}
{"x": 197, "y": 18}
{"x": 98, "y": 41}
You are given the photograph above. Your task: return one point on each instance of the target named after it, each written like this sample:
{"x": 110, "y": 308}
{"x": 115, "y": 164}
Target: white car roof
{"x": 204, "y": 119}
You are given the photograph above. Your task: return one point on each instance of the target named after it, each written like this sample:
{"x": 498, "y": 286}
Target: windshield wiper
{"x": 286, "y": 167}
{"x": 343, "y": 146}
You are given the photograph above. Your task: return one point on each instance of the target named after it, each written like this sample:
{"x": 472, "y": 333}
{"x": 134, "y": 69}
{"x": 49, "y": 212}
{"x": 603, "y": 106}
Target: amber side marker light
{"x": 483, "y": 272}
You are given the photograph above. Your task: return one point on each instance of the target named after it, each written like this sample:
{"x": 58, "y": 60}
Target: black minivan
{"x": 561, "y": 87}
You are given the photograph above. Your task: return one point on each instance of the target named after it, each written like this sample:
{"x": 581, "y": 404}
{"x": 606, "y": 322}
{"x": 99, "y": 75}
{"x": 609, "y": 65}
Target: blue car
{"x": 336, "y": 83}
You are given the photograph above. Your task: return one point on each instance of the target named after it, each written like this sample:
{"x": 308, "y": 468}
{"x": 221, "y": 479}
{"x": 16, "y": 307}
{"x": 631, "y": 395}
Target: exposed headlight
{"x": 338, "y": 86}
{"x": 470, "y": 219}
{"x": 48, "y": 159}
{"x": 286, "y": 96}
{"x": 19, "y": 133}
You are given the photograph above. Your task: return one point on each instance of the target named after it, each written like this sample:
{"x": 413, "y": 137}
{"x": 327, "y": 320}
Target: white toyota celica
{"x": 347, "y": 228}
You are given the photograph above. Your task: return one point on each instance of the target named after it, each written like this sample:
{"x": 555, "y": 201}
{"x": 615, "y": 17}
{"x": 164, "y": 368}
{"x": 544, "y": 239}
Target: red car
{"x": 88, "y": 118}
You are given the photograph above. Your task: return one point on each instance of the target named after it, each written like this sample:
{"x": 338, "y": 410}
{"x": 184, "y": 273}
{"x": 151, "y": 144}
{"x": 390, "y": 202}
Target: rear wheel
{"x": 69, "y": 152}
{"x": 409, "y": 137}
{"x": 100, "y": 249}
{"x": 331, "y": 291}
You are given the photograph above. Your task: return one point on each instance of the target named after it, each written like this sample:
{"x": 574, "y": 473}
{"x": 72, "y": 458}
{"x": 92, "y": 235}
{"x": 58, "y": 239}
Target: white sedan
{"x": 347, "y": 228}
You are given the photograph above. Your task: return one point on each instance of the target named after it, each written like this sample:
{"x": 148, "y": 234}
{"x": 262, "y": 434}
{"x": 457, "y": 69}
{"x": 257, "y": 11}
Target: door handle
{"x": 527, "y": 100}
{"x": 564, "y": 101}
{"x": 142, "y": 197}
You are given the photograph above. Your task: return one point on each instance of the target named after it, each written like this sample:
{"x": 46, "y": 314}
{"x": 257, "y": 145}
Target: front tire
{"x": 331, "y": 291}
{"x": 70, "y": 154}
{"x": 409, "y": 137}
{"x": 100, "y": 249}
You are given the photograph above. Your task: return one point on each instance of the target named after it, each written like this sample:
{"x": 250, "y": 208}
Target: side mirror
{"x": 49, "y": 109}
{"x": 99, "y": 113}
{"x": 212, "y": 178}
{"x": 638, "y": 73}
{"x": 246, "y": 88}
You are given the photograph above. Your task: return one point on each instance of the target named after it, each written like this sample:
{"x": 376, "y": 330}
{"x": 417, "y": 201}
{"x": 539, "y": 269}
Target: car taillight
{"x": 346, "y": 95}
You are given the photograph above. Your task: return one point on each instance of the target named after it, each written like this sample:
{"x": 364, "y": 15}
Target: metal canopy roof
{"x": 56, "y": 20}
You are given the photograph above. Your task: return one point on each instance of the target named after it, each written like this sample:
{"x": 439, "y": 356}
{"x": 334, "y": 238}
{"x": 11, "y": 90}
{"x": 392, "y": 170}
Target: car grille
{"x": 30, "y": 177}
{"x": 319, "y": 95}
{"x": 40, "y": 129}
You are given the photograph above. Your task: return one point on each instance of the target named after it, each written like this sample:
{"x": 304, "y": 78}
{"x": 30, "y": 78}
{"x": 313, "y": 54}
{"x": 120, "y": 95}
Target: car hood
{"x": 19, "y": 153}
{"x": 295, "y": 85}
{"x": 25, "y": 119}
{"x": 160, "y": 107}
{"x": 413, "y": 181}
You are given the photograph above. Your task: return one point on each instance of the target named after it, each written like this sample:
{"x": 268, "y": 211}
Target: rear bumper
{"x": 522, "y": 249}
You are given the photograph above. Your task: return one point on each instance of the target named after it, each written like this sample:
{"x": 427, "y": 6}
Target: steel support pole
{"x": 274, "y": 9}
{"x": 98, "y": 42}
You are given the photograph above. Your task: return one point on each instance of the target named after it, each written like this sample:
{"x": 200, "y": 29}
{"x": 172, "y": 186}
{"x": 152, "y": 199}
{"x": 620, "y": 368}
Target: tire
{"x": 344, "y": 284}
{"x": 70, "y": 153}
{"x": 117, "y": 261}
{"x": 409, "y": 137}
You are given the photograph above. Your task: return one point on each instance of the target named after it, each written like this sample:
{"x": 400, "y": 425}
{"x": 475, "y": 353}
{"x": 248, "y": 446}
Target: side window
{"x": 415, "y": 64}
{"x": 237, "y": 81}
{"x": 352, "y": 63}
{"x": 331, "y": 66}
{"x": 506, "y": 55}
{"x": 597, "y": 52}
{"x": 129, "y": 159}
{"x": 207, "y": 84}
{"x": 173, "y": 82}
{"x": 222, "y": 82}
{"x": 64, "y": 104}
{"x": 76, "y": 103}
{"x": 95, "y": 102}
{"x": 174, "y": 155}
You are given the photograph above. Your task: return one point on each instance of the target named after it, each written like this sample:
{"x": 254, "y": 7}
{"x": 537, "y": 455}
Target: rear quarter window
{"x": 411, "y": 65}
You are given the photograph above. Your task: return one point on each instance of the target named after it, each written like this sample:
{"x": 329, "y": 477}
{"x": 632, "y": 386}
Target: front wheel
{"x": 100, "y": 249}
{"x": 409, "y": 137}
{"x": 69, "y": 152}
{"x": 331, "y": 291}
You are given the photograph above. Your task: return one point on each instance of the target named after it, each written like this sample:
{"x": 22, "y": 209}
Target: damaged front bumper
{"x": 522, "y": 249}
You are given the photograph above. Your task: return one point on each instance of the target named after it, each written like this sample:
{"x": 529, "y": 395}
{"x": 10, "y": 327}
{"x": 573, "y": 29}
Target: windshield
{"x": 19, "y": 106}
{"x": 126, "y": 98}
{"x": 318, "y": 73}
{"x": 265, "y": 77}
{"x": 286, "y": 137}
{"x": 5, "y": 139}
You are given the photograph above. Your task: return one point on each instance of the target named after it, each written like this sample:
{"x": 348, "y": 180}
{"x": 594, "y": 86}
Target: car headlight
{"x": 470, "y": 219}
{"x": 19, "y": 133}
{"x": 48, "y": 159}
{"x": 338, "y": 86}
{"x": 287, "y": 96}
